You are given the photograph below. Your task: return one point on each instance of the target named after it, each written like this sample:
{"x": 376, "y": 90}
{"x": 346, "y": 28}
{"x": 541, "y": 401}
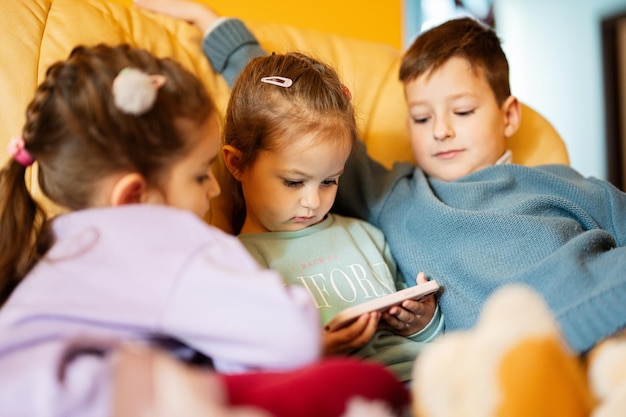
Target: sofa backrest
{"x": 37, "y": 33}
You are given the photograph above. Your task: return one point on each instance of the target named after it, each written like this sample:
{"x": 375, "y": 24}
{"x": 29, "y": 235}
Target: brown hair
{"x": 262, "y": 116}
{"x": 464, "y": 38}
{"x": 77, "y": 136}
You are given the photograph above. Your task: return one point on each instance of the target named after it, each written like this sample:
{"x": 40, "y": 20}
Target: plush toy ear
{"x": 539, "y": 376}
{"x": 513, "y": 363}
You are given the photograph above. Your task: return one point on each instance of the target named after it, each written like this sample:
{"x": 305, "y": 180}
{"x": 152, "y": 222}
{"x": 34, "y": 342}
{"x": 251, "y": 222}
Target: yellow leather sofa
{"x": 36, "y": 33}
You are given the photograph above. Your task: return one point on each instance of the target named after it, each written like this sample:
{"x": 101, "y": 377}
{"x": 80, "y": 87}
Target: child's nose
{"x": 310, "y": 200}
{"x": 214, "y": 189}
{"x": 442, "y": 129}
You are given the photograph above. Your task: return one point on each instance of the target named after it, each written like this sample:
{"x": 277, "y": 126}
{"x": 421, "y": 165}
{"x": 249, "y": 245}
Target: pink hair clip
{"x": 17, "y": 149}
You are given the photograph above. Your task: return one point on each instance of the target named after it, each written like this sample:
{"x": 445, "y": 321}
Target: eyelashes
{"x": 297, "y": 183}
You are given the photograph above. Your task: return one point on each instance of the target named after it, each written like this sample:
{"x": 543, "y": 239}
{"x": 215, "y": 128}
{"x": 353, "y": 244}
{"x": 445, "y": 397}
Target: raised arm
{"x": 227, "y": 42}
{"x": 229, "y": 46}
{"x": 199, "y": 15}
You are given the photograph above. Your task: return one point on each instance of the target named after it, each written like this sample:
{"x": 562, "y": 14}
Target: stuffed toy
{"x": 514, "y": 363}
{"x": 607, "y": 377}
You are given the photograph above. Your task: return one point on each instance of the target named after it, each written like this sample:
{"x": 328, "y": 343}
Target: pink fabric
{"x": 17, "y": 149}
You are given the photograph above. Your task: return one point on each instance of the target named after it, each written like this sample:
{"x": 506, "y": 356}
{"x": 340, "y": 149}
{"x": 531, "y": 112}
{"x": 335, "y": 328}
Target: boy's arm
{"x": 365, "y": 185}
{"x": 229, "y": 46}
{"x": 588, "y": 192}
{"x": 227, "y": 43}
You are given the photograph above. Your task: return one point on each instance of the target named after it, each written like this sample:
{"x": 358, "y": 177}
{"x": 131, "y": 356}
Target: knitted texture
{"x": 546, "y": 227}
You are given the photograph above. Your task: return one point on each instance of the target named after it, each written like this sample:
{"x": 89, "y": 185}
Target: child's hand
{"x": 349, "y": 338}
{"x": 193, "y": 12}
{"x": 411, "y": 316}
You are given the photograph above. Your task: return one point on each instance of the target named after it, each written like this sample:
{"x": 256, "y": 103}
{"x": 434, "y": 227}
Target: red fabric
{"x": 319, "y": 390}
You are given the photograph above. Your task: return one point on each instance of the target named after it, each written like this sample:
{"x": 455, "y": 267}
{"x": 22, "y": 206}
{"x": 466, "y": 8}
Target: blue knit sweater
{"x": 548, "y": 227}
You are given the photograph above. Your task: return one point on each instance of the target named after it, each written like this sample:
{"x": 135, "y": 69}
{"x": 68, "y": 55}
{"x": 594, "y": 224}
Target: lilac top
{"x": 139, "y": 271}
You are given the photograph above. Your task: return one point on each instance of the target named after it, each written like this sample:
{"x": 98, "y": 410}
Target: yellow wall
{"x": 379, "y": 21}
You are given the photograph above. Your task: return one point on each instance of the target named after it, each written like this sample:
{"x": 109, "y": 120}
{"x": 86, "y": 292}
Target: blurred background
{"x": 557, "y": 50}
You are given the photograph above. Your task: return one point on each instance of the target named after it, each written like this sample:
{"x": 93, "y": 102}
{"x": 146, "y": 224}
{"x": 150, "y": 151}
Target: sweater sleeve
{"x": 587, "y": 192}
{"x": 613, "y": 218}
{"x": 229, "y": 47}
{"x": 241, "y": 315}
{"x": 433, "y": 329}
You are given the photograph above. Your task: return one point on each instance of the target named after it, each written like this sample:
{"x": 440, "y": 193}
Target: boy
{"x": 461, "y": 110}
{"x": 466, "y": 218}
{"x": 476, "y": 224}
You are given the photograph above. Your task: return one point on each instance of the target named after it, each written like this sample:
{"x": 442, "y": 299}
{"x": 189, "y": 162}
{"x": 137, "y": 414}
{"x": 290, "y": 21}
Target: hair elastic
{"x": 347, "y": 92}
{"x": 17, "y": 149}
{"x": 277, "y": 80}
{"x": 134, "y": 91}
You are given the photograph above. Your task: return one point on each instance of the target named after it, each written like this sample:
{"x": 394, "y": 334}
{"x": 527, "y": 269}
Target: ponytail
{"x": 21, "y": 220}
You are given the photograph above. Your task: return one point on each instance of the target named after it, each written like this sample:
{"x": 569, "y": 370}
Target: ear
{"x": 232, "y": 160}
{"x": 512, "y": 111}
{"x": 130, "y": 189}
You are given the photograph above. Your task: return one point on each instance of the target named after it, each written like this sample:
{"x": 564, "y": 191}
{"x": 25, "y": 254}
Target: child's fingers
{"x": 351, "y": 337}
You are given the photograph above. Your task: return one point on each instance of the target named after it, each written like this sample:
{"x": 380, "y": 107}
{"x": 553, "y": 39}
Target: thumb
{"x": 421, "y": 278}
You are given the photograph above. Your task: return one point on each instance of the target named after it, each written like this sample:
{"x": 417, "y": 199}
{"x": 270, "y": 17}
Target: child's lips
{"x": 451, "y": 154}
{"x": 302, "y": 219}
